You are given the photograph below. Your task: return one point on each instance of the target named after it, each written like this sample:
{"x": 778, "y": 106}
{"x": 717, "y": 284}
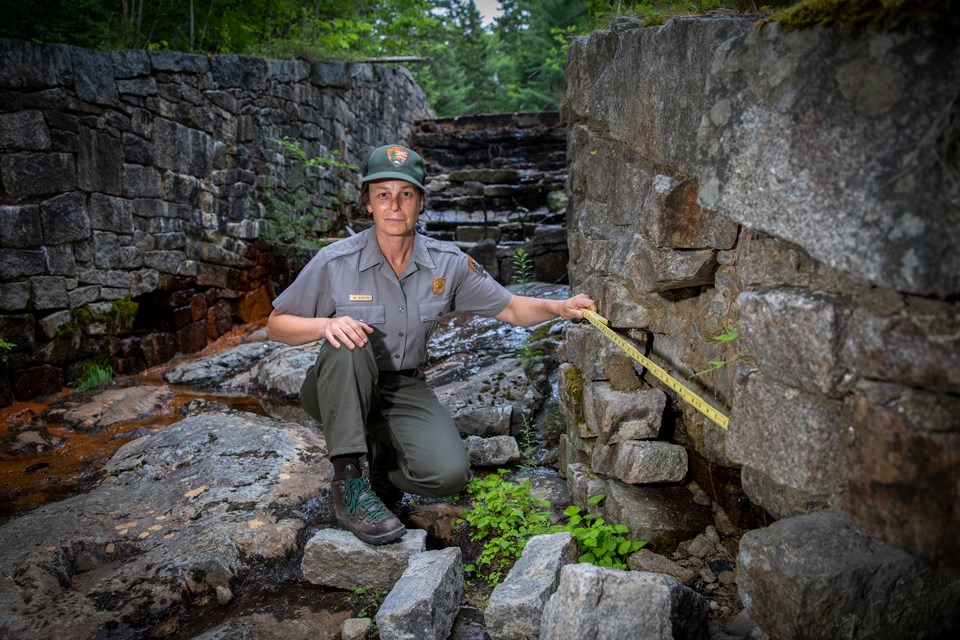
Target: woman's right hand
{"x": 344, "y": 330}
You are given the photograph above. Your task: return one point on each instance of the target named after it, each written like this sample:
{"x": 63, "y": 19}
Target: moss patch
{"x": 880, "y": 15}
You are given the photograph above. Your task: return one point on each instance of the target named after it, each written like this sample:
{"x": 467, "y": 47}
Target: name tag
{"x": 358, "y": 297}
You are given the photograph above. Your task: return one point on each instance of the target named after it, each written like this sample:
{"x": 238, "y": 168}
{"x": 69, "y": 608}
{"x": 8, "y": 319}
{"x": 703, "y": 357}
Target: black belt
{"x": 407, "y": 373}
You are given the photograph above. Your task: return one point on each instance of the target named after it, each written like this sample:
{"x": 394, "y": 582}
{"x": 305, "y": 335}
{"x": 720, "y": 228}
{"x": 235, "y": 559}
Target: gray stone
{"x": 64, "y": 218}
{"x": 646, "y": 560}
{"x": 93, "y": 78}
{"x": 49, "y": 292}
{"x": 106, "y": 250}
{"x": 618, "y": 416}
{"x": 516, "y": 604}
{"x": 179, "y": 62}
{"x": 425, "y": 600}
{"x": 16, "y": 263}
{"x": 476, "y": 234}
{"x": 919, "y": 348}
{"x": 597, "y": 603}
{"x": 653, "y": 269}
{"x": 653, "y": 513}
{"x": 61, "y": 260}
{"x": 141, "y": 182}
{"x": 219, "y": 368}
{"x": 770, "y": 322}
{"x": 14, "y": 296}
{"x": 492, "y": 451}
{"x": 82, "y": 295}
{"x": 164, "y": 261}
{"x": 485, "y": 404}
{"x": 138, "y": 86}
{"x": 111, "y": 214}
{"x": 779, "y": 500}
{"x": 355, "y": 628}
{"x": 20, "y": 227}
{"x": 795, "y": 438}
{"x": 52, "y": 323}
{"x": 641, "y": 461}
{"x": 24, "y": 130}
{"x": 841, "y": 583}
{"x": 37, "y": 174}
{"x": 337, "y": 558}
{"x": 177, "y": 513}
{"x": 100, "y": 162}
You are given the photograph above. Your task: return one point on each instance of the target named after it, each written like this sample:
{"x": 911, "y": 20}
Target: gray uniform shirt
{"x": 352, "y": 278}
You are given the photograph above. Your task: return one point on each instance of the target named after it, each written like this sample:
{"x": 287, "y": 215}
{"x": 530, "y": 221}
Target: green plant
{"x": 523, "y": 268}
{"x": 729, "y": 335}
{"x": 527, "y": 442}
{"x": 5, "y": 349}
{"x": 295, "y": 148}
{"x": 504, "y": 515}
{"x": 367, "y": 600}
{"x": 600, "y": 543}
{"x": 94, "y": 376}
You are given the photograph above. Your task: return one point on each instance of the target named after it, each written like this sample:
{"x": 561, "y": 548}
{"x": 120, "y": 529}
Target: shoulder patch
{"x": 476, "y": 267}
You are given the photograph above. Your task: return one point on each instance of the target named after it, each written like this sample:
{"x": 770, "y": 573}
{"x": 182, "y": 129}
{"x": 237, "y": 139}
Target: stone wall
{"x": 802, "y": 189}
{"x": 136, "y": 187}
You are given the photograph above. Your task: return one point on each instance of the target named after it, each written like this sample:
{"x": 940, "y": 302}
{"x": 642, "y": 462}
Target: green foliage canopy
{"x": 515, "y": 64}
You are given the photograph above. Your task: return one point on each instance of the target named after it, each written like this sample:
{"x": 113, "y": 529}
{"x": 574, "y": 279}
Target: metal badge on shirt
{"x": 361, "y": 297}
{"x": 439, "y": 284}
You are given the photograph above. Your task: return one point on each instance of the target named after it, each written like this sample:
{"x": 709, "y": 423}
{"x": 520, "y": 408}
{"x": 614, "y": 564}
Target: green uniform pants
{"x": 362, "y": 409}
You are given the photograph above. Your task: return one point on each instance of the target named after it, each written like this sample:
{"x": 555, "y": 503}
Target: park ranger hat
{"x": 394, "y": 162}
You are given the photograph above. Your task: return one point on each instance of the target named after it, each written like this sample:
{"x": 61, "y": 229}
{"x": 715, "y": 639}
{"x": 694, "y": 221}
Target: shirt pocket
{"x": 367, "y": 312}
{"x": 431, "y": 310}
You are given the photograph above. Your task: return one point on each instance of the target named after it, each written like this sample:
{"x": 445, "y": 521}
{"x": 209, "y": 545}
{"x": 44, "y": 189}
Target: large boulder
{"x": 818, "y": 576}
{"x": 177, "y": 515}
{"x": 598, "y": 603}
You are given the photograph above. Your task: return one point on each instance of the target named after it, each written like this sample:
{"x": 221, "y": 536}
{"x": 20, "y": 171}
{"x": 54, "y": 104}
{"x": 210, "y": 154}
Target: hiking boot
{"x": 360, "y": 511}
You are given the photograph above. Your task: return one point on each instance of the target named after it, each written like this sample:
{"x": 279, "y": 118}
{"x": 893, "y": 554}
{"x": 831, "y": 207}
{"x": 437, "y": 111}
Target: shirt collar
{"x": 371, "y": 256}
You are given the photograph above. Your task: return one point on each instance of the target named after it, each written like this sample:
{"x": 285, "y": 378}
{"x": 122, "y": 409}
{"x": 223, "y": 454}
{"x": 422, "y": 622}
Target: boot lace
{"x": 359, "y": 498}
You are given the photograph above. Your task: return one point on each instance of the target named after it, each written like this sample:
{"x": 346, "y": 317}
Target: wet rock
{"x": 114, "y": 406}
{"x": 841, "y": 583}
{"x": 516, "y": 604}
{"x": 177, "y": 514}
{"x": 493, "y": 451}
{"x": 337, "y": 558}
{"x": 597, "y": 603}
{"x": 488, "y": 403}
{"x": 215, "y": 369}
{"x": 281, "y": 373}
{"x": 646, "y": 560}
{"x": 437, "y": 520}
{"x": 300, "y": 623}
{"x": 425, "y": 600}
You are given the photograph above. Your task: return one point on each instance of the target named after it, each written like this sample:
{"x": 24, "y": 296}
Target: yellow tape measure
{"x": 690, "y": 397}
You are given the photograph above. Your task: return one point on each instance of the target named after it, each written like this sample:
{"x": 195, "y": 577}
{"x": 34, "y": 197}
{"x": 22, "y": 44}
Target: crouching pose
{"x": 374, "y": 299}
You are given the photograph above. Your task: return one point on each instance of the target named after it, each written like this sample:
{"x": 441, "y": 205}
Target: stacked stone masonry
{"x": 799, "y": 188}
{"x": 137, "y": 186}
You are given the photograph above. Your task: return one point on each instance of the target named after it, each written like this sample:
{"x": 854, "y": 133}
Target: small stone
{"x": 224, "y": 595}
{"x": 707, "y": 575}
{"x": 727, "y": 577}
{"x": 355, "y": 628}
{"x": 712, "y": 535}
